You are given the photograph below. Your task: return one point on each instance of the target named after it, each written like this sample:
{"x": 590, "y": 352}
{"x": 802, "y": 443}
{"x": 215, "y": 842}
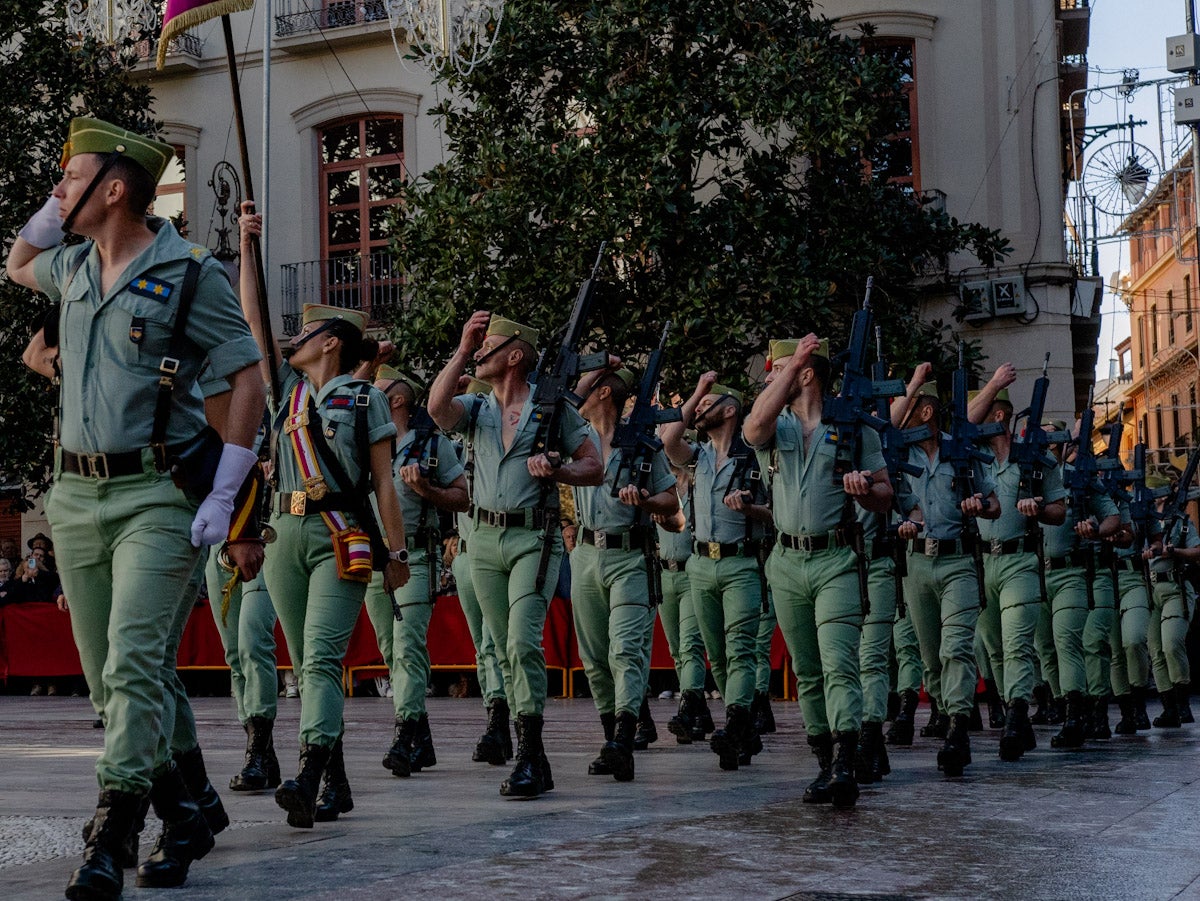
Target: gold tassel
{"x": 227, "y": 595}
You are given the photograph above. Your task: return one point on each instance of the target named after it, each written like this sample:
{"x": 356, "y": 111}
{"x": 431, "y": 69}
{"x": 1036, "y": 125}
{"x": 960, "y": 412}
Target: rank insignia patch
{"x": 335, "y": 403}
{"x": 149, "y": 287}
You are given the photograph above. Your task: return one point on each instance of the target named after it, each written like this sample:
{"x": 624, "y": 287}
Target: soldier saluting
{"x": 510, "y": 525}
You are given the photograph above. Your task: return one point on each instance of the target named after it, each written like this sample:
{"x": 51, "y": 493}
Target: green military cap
{"x": 929, "y": 389}
{"x": 507, "y": 328}
{"x": 1000, "y": 398}
{"x": 1056, "y": 425}
{"x": 731, "y": 392}
{"x": 782, "y": 348}
{"x": 627, "y": 377}
{"x": 1156, "y": 480}
{"x": 87, "y": 135}
{"x": 319, "y": 312}
{"x": 392, "y": 374}
{"x": 475, "y": 386}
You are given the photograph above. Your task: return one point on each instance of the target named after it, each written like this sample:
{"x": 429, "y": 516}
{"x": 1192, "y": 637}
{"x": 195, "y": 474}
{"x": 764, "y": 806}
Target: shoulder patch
{"x": 151, "y": 287}
{"x": 341, "y": 402}
{"x": 198, "y": 252}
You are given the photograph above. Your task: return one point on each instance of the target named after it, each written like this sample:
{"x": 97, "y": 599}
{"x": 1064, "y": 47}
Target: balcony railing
{"x": 337, "y": 14}
{"x": 187, "y": 44}
{"x": 371, "y": 284}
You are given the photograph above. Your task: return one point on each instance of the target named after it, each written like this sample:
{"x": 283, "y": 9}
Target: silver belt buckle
{"x": 931, "y": 547}
{"x": 600, "y": 539}
{"x": 997, "y": 547}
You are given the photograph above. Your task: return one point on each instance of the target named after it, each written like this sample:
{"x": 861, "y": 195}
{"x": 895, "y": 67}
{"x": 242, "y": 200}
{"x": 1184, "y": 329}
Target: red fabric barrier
{"x": 36, "y": 640}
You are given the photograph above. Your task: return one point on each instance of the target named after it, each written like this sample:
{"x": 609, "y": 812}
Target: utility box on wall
{"x": 992, "y": 298}
{"x": 976, "y": 298}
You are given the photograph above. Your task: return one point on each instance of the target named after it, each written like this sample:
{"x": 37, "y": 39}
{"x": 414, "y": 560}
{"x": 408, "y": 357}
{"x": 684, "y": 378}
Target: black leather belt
{"x": 629, "y": 539}
{"x": 941, "y": 547}
{"x": 508, "y": 519}
{"x": 1075, "y": 558}
{"x": 297, "y": 503}
{"x": 813, "y": 543}
{"x": 673, "y": 566}
{"x": 715, "y": 550}
{"x": 420, "y": 539}
{"x": 103, "y": 466}
{"x": 1020, "y": 545}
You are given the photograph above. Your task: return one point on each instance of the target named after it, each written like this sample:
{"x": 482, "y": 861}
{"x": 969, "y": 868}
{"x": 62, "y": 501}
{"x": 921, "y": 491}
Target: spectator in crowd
{"x": 39, "y": 576}
{"x": 10, "y": 551}
{"x": 12, "y": 589}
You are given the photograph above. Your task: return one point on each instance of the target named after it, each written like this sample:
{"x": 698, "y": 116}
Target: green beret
{"x": 726, "y": 390}
{"x": 88, "y": 135}
{"x": 319, "y": 312}
{"x": 627, "y": 377}
{"x": 475, "y": 386}
{"x": 506, "y": 328}
{"x": 392, "y": 374}
{"x": 929, "y": 389}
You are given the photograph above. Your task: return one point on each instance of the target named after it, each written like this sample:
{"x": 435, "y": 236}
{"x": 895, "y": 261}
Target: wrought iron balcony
{"x": 335, "y": 14}
{"x": 371, "y": 284}
{"x": 186, "y": 44}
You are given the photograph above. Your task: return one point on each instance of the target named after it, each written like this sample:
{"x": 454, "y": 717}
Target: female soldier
{"x": 318, "y": 569}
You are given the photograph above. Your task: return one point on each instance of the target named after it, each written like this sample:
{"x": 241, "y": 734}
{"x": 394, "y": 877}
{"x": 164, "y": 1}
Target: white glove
{"x": 44, "y": 229}
{"x": 211, "y": 525}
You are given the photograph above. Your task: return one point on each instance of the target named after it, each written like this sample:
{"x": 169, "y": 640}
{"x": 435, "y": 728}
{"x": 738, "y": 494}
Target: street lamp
{"x": 112, "y": 21}
{"x": 458, "y": 33}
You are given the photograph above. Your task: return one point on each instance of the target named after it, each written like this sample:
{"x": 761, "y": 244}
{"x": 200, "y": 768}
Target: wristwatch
{"x": 400, "y": 556}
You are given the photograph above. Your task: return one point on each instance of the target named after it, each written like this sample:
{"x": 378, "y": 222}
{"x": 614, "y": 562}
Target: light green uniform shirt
{"x": 336, "y": 424}
{"x": 502, "y": 481}
{"x": 442, "y": 475}
{"x": 1182, "y": 535}
{"x": 677, "y": 545}
{"x": 1061, "y": 540}
{"x": 1007, "y": 478}
{"x": 804, "y": 498}
{"x": 111, "y": 345}
{"x": 933, "y": 490}
{"x": 598, "y": 510}
{"x": 715, "y": 521}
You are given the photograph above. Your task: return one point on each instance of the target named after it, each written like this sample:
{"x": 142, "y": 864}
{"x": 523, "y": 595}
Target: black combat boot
{"x": 128, "y": 857}
{"x": 1183, "y": 700}
{"x": 996, "y": 713}
{"x": 1014, "y": 738}
{"x": 398, "y": 758}
{"x": 956, "y": 752}
{"x": 727, "y": 743}
{"x": 939, "y": 723}
{"x": 299, "y": 796}
{"x": 818, "y": 790}
{"x": 335, "y": 798}
{"x": 185, "y": 835}
{"x": 1058, "y": 711}
{"x": 617, "y": 754}
{"x": 1041, "y": 697}
{"x": 975, "y": 721}
{"x": 880, "y": 765}
{"x": 100, "y": 878}
{"x": 495, "y": 745}
{"x": 704, "y": 721}
{"x": 870, "y": 761}
{"x": 751, "y": 743}
{"x": 1127, "y": 724}
{"x": 1141, "y": 717}
{"x": 893, "y": 706}
{"x": 843, "y": 789}
{"x": 255, "y": 775}
{"x": 599, "y": 766}
{"x": 526, "y": 779}
{"x": 764, "y": 716}
{"x": 1071, "y": 734}
{"x": 423, "y": 756}
{"x": 1169, "y": 718}
{"x": 900, "y": 733}
{"x": 191, "y": 768}
{"x": 684, "y": 723}
{"x": 1100, "y": 730}
{"x": 647, "y": 733}
{"x": 274, "y": 777}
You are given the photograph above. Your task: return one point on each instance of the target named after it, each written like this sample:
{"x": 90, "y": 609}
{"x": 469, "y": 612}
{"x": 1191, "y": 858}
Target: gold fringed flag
{"x": 180, "y": 15}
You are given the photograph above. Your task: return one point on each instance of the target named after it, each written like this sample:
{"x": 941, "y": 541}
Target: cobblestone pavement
{"x": 1117, "y": 820}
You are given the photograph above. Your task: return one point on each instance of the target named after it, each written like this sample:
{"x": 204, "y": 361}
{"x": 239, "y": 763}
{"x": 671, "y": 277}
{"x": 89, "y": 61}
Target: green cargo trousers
{"x": 678, "y": 615}
{"x": 179, "y": 721}
{"x": 820, "y": 613}
{"x": 762, "y": 647}
{"x": 907, "y": 650}
{"x": 1097, "y": 637}
{"x": 125, "y": 565}
{"x": 404, "y": 643}
{"x": 727, "y": 595}
{"x": 1167, "y": 633}
{"x": 1043, "y": 641}
{"x": 487, "y": 667}
{"x": 248, "y": 636}
{"x": 318, "y": 612}
{"x": 943, "y": 602}
{"x": 611, "y": 609}
{"x": 1067, "y": 589}
{"x": 1130, "y": 652}
{"x": 876, "y": 645}
{"x": 1013, "y": 590}
{"x": 504, "y": 566}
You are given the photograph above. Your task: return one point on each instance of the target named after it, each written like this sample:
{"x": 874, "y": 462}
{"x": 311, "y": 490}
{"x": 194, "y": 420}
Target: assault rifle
{"x": 1031, "y": 453}
{"x": 962, "y": 452}
{"x": 1175, "y": 514}
{"x": 555, "y": 376}
{"x": 425, "y": 431}
{"x": 637, "y": 440}
{"x": 1113, "y": 478}
{"x": 895, "y": 443}
{"x": 1141, "y": 508}
{"x": 1081, "y": 481}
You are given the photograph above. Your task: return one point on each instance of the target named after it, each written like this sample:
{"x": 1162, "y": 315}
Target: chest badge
{"x": 137, "y": 330}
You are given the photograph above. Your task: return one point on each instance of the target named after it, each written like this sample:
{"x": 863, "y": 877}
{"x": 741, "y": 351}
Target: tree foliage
{"x": 48, "y": 81}
{"x": 732, "y": 153}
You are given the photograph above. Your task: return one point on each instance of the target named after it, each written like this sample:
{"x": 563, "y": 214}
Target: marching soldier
{"x": 1010, "y": 565}
{"x": 1130, "y": 669}
{"x": 428, "y": 478}
{"x": 812, "y": 570}
{"x": 1067, "y": 592}
{"x": 129, "y": 410}
{"x": 907, "y": 651}
{"x": 941, "y": 590}
{"x": 610, "y": 595}
{"x": 729, "y": 522}
{"x": 510, "y": 528}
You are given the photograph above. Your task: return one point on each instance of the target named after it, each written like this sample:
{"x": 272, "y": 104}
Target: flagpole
{"x": 268, "y": 21}
{"x": 264, "y": 307}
